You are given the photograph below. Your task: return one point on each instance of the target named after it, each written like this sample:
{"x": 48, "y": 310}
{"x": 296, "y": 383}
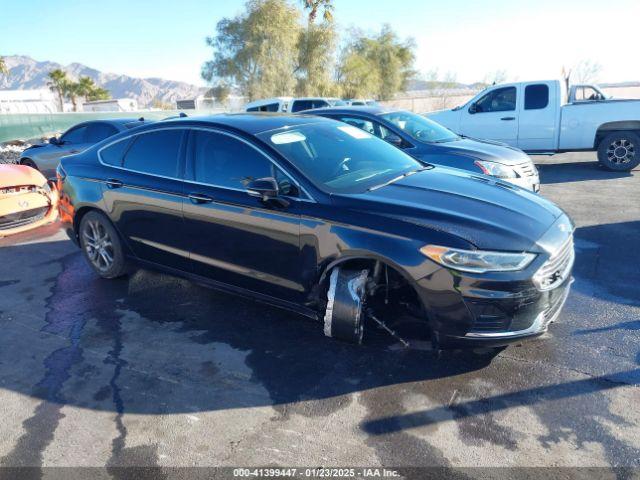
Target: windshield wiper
{"x": 400, "y": 177}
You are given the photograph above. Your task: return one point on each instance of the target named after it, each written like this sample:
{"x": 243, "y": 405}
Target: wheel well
{"x": 607, "y": 128}
{"x": 23, "y": 159}
{"x": 390, "y": 282}
{"x": 77, "y": 218}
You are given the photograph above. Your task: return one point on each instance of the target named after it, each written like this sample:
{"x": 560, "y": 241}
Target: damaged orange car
{"x": 27, "y": 199}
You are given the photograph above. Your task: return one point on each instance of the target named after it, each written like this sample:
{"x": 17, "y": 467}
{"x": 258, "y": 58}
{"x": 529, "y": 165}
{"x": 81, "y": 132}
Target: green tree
{"x": 316, "y": 60}
{"x": 389, "y": 59}
{"x": 3, "y": 67}
{"x": 57, "y": 83}
{"x": 220, "y": 93}
{"x": 72, "y": 92}
{"x": 358, "y": 76}
{"x": 90, "y": 91}
{"x": 256, "y": 50}
{"x": 313, "y": 6}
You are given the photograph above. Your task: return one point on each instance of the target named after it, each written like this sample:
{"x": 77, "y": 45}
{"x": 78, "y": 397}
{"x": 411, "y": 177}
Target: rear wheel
{"x": 101, "y": 245}
{"x": 620, "y": 151}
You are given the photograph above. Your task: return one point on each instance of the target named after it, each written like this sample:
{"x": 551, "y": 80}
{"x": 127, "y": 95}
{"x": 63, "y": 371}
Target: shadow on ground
{"x": 552, "y": 173}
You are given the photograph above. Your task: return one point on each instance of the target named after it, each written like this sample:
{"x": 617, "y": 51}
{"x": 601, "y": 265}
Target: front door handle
{"x": 113, "y": 183}
{"x": 199, "y": 198}
{"x": 508, "y": 119}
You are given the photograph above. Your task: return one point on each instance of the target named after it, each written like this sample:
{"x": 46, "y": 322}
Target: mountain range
{"x": 25, "y": 73}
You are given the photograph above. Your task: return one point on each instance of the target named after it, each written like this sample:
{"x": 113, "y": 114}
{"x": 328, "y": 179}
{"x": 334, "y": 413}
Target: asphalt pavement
{"x": 159, "y": 372}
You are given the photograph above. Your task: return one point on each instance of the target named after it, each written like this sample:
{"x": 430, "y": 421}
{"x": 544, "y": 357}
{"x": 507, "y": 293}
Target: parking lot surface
{"x": 156, "y": 371}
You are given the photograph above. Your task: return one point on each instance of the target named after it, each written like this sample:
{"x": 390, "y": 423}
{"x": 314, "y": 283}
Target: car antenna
{"x": 141, "y": 119}
{"x": 183, "y": 115}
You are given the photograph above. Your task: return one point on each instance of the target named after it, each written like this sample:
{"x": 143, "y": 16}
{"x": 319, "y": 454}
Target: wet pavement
{"x": 156, "y": 371}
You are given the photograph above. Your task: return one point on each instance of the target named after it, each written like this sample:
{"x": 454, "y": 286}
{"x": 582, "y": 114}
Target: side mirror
{"x": 54, "y": 141}
{"x": 473, "y": 108}
{"x": 263, "y": 188}
{"x": 394, "y": 140}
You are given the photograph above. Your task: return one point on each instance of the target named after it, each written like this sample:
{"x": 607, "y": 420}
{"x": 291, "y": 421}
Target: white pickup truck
{"x": 539, "y": 117}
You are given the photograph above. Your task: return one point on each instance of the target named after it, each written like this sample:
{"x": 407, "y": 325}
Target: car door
{"x": 537, "y": 119}
{"x": 493, "y": 116}
{"x": 233, "y": 237}
{"x": 72, "y": 141}
{"x": 144, "y": 194}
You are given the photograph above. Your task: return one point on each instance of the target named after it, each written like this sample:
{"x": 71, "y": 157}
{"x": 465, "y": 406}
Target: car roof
{"x": 369, "y": 109}
{"x": 250, "y": 122}
{"x": 119, "y": 123}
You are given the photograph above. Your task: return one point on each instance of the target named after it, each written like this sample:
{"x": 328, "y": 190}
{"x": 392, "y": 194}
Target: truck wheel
{"x": 101, "y": 246}
{"x": 345, "y": 304}
{"x": 620, "y": 151}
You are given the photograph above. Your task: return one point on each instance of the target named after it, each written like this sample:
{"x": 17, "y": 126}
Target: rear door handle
{"x": 199, "y": 198}
{"x": 508, "y": 119}
{"x": 113, "y": 183}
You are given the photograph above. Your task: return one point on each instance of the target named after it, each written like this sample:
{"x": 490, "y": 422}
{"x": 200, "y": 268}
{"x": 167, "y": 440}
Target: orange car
{"x": 27, "y": 200}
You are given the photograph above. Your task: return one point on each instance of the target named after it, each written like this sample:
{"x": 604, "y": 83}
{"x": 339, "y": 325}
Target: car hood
{"x": 486, "y": 212}
{"x": 18, "y": 175}
{"x": 484, "y": 150}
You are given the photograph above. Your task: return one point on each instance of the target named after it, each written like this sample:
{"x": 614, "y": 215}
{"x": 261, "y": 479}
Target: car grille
{"x": 526, "y": 169}
{"x": 19, "y": 219}
{"x": 557, "y": 268}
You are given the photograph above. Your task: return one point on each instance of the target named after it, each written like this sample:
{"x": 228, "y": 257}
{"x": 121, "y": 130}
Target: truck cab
{"x": 542, "y": 117}
{"x": 522, "y": 115}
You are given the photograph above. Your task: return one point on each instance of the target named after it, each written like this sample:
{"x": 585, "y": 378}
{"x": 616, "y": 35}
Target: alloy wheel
{"x": 621, "y": 151}
{"x": 98, "y": 245}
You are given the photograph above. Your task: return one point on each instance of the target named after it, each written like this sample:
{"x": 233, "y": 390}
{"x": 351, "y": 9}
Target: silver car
{"x": 45, "y": 157}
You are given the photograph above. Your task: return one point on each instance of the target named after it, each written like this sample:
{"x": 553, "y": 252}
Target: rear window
{"x": 96, "y": 132}
{"x": 112, "y": 155}
{"x": 155, "y": 153}
{"x": 536, "y": 97}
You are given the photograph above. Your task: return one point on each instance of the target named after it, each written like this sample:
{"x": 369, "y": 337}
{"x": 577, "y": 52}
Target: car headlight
{"x": 477, "y": 261}
{"x": 496, "y": 169}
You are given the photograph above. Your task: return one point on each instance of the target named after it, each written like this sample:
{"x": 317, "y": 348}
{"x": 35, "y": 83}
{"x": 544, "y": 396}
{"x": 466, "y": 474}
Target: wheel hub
{"x": 621, "y": 151}
{"x": 98, "y": 246}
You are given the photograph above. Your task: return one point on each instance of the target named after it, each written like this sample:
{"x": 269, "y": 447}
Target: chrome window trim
{"x": 308, "y": 196}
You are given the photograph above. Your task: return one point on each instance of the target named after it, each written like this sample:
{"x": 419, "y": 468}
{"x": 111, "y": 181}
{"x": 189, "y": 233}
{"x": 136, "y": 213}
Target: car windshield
{"x": 420, "y": 128}
{"x": 340, "y": 158}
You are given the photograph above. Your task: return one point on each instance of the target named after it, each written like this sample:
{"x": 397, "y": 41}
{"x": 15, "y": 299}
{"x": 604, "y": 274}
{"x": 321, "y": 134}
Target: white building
{"x": 111, "y": 105}
{"x": 27, "y": 101}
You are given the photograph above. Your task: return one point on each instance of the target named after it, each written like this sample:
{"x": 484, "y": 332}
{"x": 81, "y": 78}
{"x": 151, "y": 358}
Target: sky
{"x": 144, "y": 38}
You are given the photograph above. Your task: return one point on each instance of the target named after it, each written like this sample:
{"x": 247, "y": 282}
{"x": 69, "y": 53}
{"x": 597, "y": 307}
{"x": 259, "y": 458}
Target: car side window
{"x": 224, "y": 161}
{"x": 498, "y": 100}
{"x": 374, "y": 128}
{"x": 155, "y": 153}
{"x": 536, "y": 97}
{"x": 301, "y": 105}
{"x": 112, "y": 155}
{"x": 75, "y": 136}
{"x": 96, "y": 132}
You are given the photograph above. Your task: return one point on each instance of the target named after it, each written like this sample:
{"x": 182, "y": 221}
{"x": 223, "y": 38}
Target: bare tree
{"x": 586, "y": 71}
{"x": 495, "y": 78}
{"x": 445, "y": 92}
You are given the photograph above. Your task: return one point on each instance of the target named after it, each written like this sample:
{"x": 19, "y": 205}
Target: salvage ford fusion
{"x": 324, "y": 219}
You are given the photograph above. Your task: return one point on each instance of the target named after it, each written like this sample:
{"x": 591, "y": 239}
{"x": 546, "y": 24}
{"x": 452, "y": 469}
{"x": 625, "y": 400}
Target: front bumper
{"x": 470, "y": 312}
{"x": 19, "y": 213}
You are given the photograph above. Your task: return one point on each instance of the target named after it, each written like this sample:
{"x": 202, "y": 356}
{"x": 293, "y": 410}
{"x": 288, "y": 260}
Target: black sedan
{"x": 429, "y": 141}
{"x": 324, "y": 219}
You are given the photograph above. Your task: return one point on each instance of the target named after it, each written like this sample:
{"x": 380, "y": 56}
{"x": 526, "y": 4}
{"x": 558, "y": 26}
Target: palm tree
{"x": 314, "y": 6}
{"x": 58, "y": 83}
{"x": 3, "y": 67}
{"x": 72, "y": 91}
